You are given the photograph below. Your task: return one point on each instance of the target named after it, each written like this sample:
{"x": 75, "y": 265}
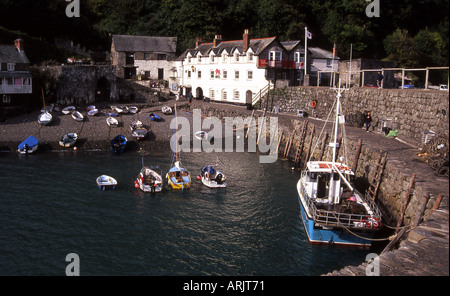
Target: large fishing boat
{"x": 332, "y": 210}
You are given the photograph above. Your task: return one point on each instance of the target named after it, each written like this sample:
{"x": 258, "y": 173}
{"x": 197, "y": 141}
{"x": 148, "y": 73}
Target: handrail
{"x": 262, "y": 92}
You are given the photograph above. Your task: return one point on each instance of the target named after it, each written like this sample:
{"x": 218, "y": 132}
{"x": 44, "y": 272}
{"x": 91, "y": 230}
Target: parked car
{"x": 408, "y": 86}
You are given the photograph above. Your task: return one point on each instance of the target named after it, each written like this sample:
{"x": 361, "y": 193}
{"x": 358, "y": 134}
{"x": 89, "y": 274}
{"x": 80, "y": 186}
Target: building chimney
{"x": 19, "y": 44}
{"x": 217, "y": 40}
{"x": 198, "y": 42}
{"x": 246, "y": 40}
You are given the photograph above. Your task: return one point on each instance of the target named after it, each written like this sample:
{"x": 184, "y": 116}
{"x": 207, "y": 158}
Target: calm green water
{"x": 50, "y": 206}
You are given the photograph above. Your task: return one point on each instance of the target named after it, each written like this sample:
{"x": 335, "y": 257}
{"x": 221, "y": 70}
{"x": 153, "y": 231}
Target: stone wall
{"x": 411, "y": 112}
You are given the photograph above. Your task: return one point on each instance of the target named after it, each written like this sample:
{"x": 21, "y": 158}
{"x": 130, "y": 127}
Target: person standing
{"x": 379, "y": 79}
{"x": 367, "y": 121}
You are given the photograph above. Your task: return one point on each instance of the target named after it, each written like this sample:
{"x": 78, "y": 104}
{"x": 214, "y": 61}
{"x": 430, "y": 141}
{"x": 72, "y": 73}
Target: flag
{"x": 308, "y": 34}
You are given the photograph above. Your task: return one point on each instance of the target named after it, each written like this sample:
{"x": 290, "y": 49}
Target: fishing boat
{"x": 149, "y": 180}
{"x": 178, "y": 177}
{"x": 105, "y": 182}
{"x": 29, "y": 145}
{"x": 133, "y": 109}
{"x": 332, "y": 210}
{"x": 201, "y": 135}
{"x": 77, "y": 116}
{"x": 118, "y": 144}
{"x": 154, "y": 117}
{"x": 212, "y": 178}
{"x": 112, "y": 122}
{"x": 166, "y": 110}
{"x": 68, "y": 109}
{"x": 45, "y": 118}
{"x": 138, "y": 131}
{"x": 68, "y": 140}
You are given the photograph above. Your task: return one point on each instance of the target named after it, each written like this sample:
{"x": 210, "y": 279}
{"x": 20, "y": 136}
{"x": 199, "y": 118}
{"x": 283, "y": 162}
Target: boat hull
{"x": 30, "y": 145}
{"x": 105, "y": 182}
{"x": 333, "y": 236}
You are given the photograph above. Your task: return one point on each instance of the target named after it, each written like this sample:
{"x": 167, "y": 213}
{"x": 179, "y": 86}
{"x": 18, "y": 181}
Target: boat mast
{"x": 338, "y": 96}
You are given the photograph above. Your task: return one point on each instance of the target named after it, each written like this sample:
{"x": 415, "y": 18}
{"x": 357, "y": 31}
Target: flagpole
{"x": 306, "y": 42}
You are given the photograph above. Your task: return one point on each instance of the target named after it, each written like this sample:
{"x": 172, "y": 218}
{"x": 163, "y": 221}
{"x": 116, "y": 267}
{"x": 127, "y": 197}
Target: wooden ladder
{"x": 298, "y": 153}
{"x": 375, "y": 181}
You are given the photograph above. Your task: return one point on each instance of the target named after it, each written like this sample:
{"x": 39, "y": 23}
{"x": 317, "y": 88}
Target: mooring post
{"x": 437, "y": 203}
{"x": 421, "y": 212}
{"x": 406, "y": 202}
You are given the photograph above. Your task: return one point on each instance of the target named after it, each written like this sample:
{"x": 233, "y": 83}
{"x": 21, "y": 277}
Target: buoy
{"x": 199, "y": 178}
{"x": 75, "y": 148}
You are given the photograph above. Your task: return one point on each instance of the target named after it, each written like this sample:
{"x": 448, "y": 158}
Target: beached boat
{"x": 201, "y": 135}
{"x": 92, "y": 110}
{"x": 166, "y": 110}
{"x": 138, "y": 131}
{"x": 77, "y": 116}
{"x": 112, "y": 122}
{"x": 118, "y": 144}
{"x": 213, "y": 178}
{"x": 117, "y": 109}
{"x": 29, "y": 145}
{"x": 332, "y": 210}
{"x": 154, "y": 117}
{"x": 68, "y": 109}
{"x": 133, "y": 109}
{"x": 45, "y": 118}
{"x": 112, "y": 114}
{"x": 105, "y": 182}
{"x": 149, "y": 180}
{"x": 178, "y": 177}
{"x": 68, "y": 140}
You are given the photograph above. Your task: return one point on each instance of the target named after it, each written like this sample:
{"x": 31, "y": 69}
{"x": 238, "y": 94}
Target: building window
{"x": 211, "y": 57}
{"x": 236, "y": 75}
{"x": 199, "y": 74}
{"x": 189, "y": 74}
{"x": 211, "y": 93}
{"x": 199, "y": 59}
{"x": 225, "y": 58}
{"x": 161, "y": 56}
{"x": 328, "y": 63}
{"x": 147, "y": 74}
{"x": 275, "y": 56}
{"x": 129, "y": 58}
{"x": 225, "y": 74}
{"x": 297, "y": 57}
{"x": 211, "y": 74}
{"x": 250, "y": 57}
{"x": 249, "y": 75}
{"x": 147, "y": 56}
{"x": 10, "y": 67}
{"x": 224, "y": 94}
{"x": 189, "y": 60}
{"x": 236, "y": 95}
{"x": 236, "y": 57}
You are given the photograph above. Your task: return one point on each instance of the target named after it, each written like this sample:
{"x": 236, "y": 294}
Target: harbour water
{"x": 50, "y": 206}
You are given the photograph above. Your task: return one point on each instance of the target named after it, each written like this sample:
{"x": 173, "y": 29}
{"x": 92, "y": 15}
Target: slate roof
{"x": 144, "y": 43}
{"x": 10, "y": 54}
{"x": 319, "y": 53}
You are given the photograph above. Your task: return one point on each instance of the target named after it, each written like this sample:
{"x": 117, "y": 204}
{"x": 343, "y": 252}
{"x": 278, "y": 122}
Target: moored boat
{"x": 68, "y": 109}
{"x": 118, "y": 144}
{"x": 332, "y": 210}
{"x": 212, "y": 178}
{"x": 166, "y": 110}
{"x": 133, "y": 109}
{"x": 105, "y": 182}
{"x": 112, "y": 122}
{"x": 68, "y": 140}
{"x": 149, "y": 180}
{"x": 154, "y": 117}
{"x": 92, "y": 110}
{"x": 29, "y": 145}
{"x": 201, "y": 135}
{"x": 77, "y": 116}
{"x": 45, "y": 118}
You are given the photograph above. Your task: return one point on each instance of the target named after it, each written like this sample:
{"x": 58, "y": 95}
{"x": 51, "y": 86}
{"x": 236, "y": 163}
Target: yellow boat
{"x": 178, "y": 177}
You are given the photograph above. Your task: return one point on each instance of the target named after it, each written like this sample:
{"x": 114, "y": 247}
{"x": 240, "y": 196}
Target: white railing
{"x": 15, "y": 89}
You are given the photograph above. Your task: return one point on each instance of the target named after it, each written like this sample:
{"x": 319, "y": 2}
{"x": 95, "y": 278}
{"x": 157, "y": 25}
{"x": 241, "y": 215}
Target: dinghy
{"x": 133, "y": 109}
{"x": 212, "y": 178}
{"x": 45, "y": 118}
{"x": 166, "y": 110}
{"x": 154, "y": 117}
{"x": 118, "y": 144}
{"x": 68, "y": 109}
{"x": 148, "y": 180}
{"x": 201, "y": 135}
{"x": 112, "y": 122}
{"x": 91, "y": 110}
{"x": 68, "y": 140}
{"x": 77, "y": 116}
{"x": 138, "y": 131}
{"x": 105, "y": 182}
{"x": 29, "y": 145}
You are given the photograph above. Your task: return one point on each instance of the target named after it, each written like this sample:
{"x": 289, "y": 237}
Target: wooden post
{"x": 405, "y": 203}
{"x": 309, "y": 144}
{"x": 438, "y": 202}
{"x": 358, "y": 151}
{"x": 420, "y": 213}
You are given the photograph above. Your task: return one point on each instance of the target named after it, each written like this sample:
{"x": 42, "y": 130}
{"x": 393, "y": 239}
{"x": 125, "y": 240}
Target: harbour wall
{"x": 412, "y": 112}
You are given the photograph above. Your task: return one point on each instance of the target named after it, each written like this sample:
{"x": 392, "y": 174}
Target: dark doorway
{"x": 160, "y": 74}
{"x": 199, "y": 93}
{"x": 129, "y": 72}
{"x": 103, "y": 90}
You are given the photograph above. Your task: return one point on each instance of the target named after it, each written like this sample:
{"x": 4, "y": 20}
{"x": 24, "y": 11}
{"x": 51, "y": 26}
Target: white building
{"x": 238, "y": 71}
{"x": 324, "y": 67}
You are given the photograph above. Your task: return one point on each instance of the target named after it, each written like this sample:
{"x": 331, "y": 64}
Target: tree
{"x": 401, "y": 48}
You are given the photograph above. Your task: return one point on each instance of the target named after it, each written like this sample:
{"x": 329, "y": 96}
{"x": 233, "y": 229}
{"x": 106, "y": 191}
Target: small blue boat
{"x": 118, "y": 144}
{"x": 30, "y": 145}
{"x": 154, "y": 117}
{"x": 105, "y": 182}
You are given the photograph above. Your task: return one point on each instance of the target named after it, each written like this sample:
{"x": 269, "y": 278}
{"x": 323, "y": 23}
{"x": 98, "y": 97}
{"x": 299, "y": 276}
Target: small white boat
{"x": 117, "y": 109}
{"x": 68, "y": 109}
{"x": 139, "y": 133}
{"x": 125, "y": 109}
{"x": 77, "y": 116}
{"x": 149, "y": 180}
{"x": 112, "y": 122}
{"x": 201, "y": 135}
{"x": 68, "y": 140}
{"x": 212, "y": 178}
{"x": 45, "y": 118}
{"x": 166, "y": 110}
{"x": 133, "y": 109}
{"x": 91, "y": 110}
{"x": 105, "y": 182}
{"x": 136, "y": 124}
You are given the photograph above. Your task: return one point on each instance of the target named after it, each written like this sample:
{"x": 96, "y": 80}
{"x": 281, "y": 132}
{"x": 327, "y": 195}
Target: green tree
{"x": 402, "y": 49}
